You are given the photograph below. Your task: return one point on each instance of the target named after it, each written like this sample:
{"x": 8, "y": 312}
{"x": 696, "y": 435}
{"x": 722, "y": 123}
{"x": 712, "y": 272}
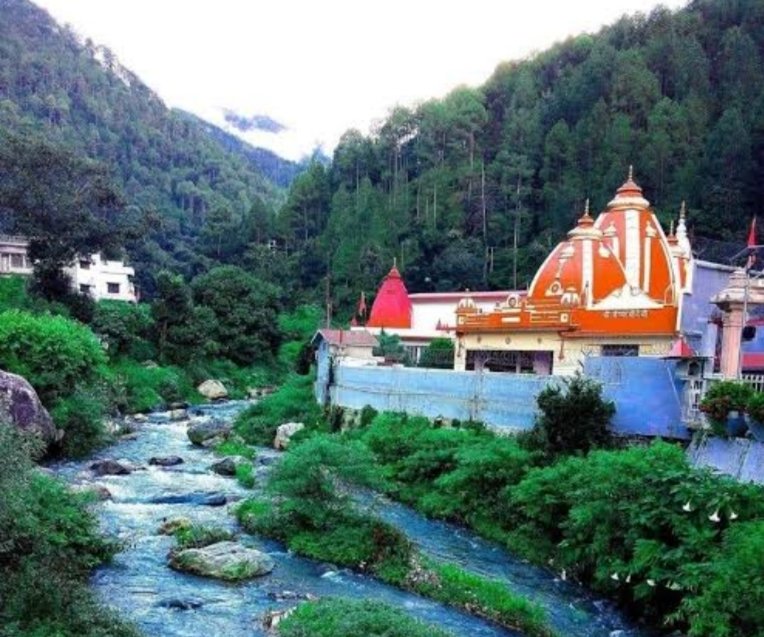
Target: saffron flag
{"x": 751, "y": 245}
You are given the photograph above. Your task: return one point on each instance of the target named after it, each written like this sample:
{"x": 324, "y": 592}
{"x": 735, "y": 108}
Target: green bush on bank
{"x": 53, "y": 353}
{"x": 293, "y": 402}
{"x": 314, "y": 517}
{"x": 50, "y": 543}
{"x": 345, "y": 618}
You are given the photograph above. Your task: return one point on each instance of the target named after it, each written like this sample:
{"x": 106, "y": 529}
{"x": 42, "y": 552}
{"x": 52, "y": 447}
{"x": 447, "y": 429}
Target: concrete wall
{"x": 737, "y": 457}
{"x": 647, "y": 395}
{"x": 499, "y": 400}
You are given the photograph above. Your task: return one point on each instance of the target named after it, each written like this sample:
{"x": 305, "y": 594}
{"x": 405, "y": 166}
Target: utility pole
{"x": 328, "y": 300}
{"x": 515, "y": 233}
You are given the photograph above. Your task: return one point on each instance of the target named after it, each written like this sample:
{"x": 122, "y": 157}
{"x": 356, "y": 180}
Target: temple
{"x": 613, "y": 287}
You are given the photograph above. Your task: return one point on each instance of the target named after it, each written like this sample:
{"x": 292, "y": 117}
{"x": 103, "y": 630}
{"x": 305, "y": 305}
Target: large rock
{"x": 110, "y": 468}
{"x": 170, "y": 526}
{"x": 20, "y": 406}
{"x": 200, "y": 432}
{"x": 213, "y": 390}
{"x": 227, "y": 466}
{"x": 285, "y": 432}
{"x": 223, "y": 560}
{"x": 165, "y": 461}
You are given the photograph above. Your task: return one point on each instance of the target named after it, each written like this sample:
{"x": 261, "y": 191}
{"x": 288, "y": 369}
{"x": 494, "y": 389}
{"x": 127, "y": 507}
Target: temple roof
{"x": 392, "y": 306}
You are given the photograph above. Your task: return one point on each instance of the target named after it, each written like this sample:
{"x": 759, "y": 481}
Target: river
{"x": 140, "y": 585}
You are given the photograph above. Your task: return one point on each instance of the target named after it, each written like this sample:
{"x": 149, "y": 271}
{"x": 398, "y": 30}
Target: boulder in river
{"x": 166, "y": 461}
{"x": 200, "y": 432}
{"x": 99, "y": 491}
{"x": 21, "y": 407}
{"x": 201, "y": 498}
{"x": 181, "y": 604}
{"x": 228, "y": 561}
{"x": 227, "y": 466}
{"x": 285, "y": 432}
{"x": 110, "y": 468}
{"x": 213, "y": 390}
{"x": 171, "y": 525}
{"x": 177, "y": 414}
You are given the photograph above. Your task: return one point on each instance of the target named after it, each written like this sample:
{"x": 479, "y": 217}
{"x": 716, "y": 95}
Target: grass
{"x": 245, "y": 475}
{"x": 332, "y": 617}
{"x": 293, "y": 402}
{"x": 198, "y": 536}
{"x": 233, "y": 447}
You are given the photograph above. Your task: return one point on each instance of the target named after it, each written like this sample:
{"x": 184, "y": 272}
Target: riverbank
{"x": 141, "y": 587}
{"x": 636, "y": 524}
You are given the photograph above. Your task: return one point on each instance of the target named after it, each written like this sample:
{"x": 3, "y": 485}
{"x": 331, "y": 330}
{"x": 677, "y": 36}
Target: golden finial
{"x": 682, "y": 210}
{"x": 631, "y": 172}
{"x": 671, "y": 228}
{"x": 395, "y": 262}
{"x": 586, "y": 207}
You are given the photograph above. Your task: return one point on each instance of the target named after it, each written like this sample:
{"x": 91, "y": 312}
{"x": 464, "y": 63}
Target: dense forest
{"x": 471, "y": 190}
{"x": 170, "y": 166}
{"x": 452, "y": 185}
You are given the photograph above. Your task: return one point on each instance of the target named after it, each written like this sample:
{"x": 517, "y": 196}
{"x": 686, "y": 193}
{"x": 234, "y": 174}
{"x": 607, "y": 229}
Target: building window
{"x": 84, "y": 289}
{"x": 17, "y": 260}
{"x": 84, "y": 264}
{"x": 620, "y": 350}
{"x": 112, "y": 288}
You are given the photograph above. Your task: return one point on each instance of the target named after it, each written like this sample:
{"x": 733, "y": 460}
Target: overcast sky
{"x": 323, "y": 66}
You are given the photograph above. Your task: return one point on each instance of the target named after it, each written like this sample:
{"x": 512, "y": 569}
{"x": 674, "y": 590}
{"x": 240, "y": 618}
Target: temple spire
{"x": 631, "y": 173}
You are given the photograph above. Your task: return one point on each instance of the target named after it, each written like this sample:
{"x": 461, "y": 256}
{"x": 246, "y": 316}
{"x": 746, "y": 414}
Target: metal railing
{"x": 754, "y": 380}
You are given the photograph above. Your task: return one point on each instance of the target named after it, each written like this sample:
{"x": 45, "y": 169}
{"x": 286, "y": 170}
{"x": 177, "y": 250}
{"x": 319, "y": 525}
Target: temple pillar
{"x": 741, "y": 294}
{"x": 732, "y": 331}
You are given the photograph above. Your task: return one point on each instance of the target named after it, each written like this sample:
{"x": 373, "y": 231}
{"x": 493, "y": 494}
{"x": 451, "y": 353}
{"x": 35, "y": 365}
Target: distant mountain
{"x": 277, "y": 169}
{"x": 255, "y": 122}
{"x": 77, "y": 94}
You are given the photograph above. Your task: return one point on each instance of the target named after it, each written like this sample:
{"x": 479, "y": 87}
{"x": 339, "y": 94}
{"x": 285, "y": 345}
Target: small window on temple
{"x": 112, "y": 288}
{"x": 17, "y": 260}
{"x": 84, "y": 264}
{"x": 620, "y": 350}
{"x": 84, "y": 289}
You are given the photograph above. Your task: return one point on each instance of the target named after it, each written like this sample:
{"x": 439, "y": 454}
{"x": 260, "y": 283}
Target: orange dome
{"x": 635, "y": 236}
{"x": 580, "y": 270}
{"x": 392, "y": 306}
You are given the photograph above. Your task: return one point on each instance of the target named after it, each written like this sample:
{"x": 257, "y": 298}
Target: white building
{"x": 13, "y": 255}
{"x": 100, "y": 278}
{"x": 103, "y": 279}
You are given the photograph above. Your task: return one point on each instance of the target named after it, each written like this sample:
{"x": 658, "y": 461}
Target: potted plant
{"x": 755, "y": 409}
{"x": 725, "y": 403}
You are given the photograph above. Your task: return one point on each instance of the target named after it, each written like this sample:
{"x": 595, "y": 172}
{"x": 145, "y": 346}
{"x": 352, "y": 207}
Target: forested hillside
{"x": 77, "y": 95}
{"x": 446, "y": 186}
{"x": 471, "y": 190}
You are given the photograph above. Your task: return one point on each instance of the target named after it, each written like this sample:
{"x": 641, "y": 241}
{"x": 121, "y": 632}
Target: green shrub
{"x": 13, "y": 293}
{"x": 488, "y": 598}
{"x": 81, "y": 417}
{"x": 245, "y": 474}
{"x": 344, "y": 618}
{"x": 198, "y": 536}
{"x": 293, "y": 402}
{"x": 439, "y": 354}
{"x": 53, "y": 353}
{"x": 234, "y": 447}
{"x": 126, "y": 328}
{"x": 637, "y": 524}
{"x": 368, "y": 414}
{"x": 755, "y": 406}
{"x": 730, "y": 597}
{"x": 144, "y": 388}
{"x": 725, "y": 396}
{"x": 574, "y": 418}
{"x": 50, "y": 543}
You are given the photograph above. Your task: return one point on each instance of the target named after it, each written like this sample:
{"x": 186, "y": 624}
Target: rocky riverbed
{"x": 134, "y": 504}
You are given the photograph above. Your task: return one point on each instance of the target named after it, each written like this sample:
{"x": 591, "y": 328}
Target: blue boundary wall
{"x": 497, "y": 399}
{"x": 646, "y": 392}
{"x": 737, "y": 457}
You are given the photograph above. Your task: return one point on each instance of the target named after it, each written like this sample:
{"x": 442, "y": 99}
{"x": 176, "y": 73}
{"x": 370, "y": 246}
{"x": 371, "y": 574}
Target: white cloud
{"x": 321, "y": 67}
